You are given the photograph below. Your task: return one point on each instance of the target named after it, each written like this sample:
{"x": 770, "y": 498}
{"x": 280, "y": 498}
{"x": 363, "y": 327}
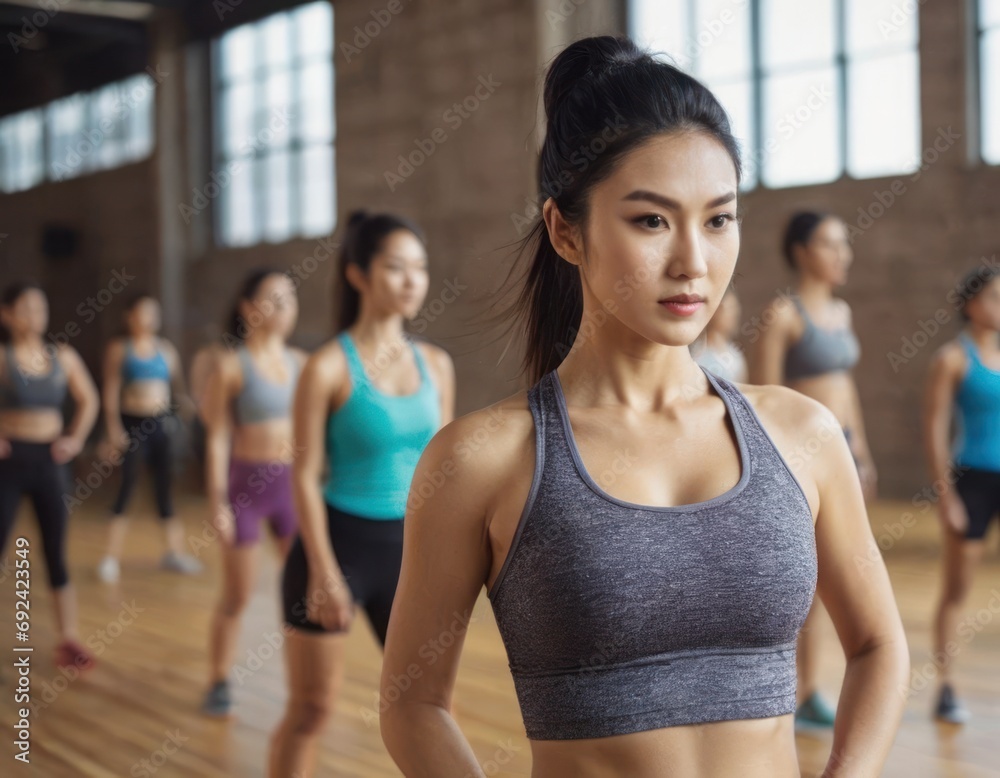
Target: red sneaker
{"x": 69, "y": 653}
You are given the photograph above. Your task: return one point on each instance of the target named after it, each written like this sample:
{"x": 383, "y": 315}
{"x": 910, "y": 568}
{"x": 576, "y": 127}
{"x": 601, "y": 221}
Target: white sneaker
{"x": 181, "y": 563}
{"x": 109, "y": 571}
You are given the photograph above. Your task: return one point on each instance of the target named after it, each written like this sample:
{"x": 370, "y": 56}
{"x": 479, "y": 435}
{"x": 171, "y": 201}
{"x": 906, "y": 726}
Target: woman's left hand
{"x": 64, "y": 449}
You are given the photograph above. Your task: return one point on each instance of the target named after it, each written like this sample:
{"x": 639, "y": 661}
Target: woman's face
{"x": 662, "y": 225}
{"x": 275, "y": 306}
{"x": 29, "y": 315}
{"x": 144, "y": 316}
{"x": 828, "y": 253}
{"x": 397, "y": 277}
{"x": 984, "y": 308}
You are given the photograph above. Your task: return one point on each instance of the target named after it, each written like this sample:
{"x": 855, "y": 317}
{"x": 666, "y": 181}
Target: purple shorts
{"x": 261, "y": 490}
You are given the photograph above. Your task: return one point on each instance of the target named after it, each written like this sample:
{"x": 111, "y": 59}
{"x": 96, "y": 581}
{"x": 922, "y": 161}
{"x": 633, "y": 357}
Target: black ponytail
{"x": 236, "y": 329}
{"x": 603, "y": 97}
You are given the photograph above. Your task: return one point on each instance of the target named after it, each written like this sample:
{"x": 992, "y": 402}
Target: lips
{"x": 684, "y": 298}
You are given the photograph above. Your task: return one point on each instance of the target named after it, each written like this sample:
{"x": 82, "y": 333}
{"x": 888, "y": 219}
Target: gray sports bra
{"x": 261, "y": 399}
{"x": 819, "y": 350}
{"x": 19, "y": 390}
{"x": 621, "y": 618}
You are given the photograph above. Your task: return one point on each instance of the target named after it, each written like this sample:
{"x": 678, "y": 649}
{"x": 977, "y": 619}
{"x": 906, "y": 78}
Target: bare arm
{"x": 223, "y": 384}
{"x": 87, "y": 405}
{"x": 445, "y": 369}
{"x": 322, "y": 375}
{"x": 947, "y": 369}
{"x": 768, "y": 364}
{"x": 111, "y": 391}
{"x": 446, "y": 559}
{"x": 854, "y": 586}
{"x": 178, "y": 387}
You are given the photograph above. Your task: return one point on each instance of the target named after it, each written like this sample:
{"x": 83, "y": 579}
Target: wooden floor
{"x": 141, "y": 702}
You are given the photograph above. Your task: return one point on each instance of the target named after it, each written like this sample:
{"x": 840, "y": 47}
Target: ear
{"x": 356, "y": 277}
{"x": 566, "y": 238}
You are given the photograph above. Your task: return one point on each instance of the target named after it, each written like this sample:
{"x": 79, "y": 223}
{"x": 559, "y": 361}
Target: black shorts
{"x": 980, "y": 491}
{"x": 369, "y": 552}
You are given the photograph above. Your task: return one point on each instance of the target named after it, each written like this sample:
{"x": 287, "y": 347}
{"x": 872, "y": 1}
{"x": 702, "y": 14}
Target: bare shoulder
{"x": 786, "y": 411}
{"x": 950, "y": 358}
{"x": 437, "y": 357}
{"x": 484, "y": 452}
{"x": 69, "y": 358}
{"x": 780, "y": 314}
{"x": 300, "y": 354}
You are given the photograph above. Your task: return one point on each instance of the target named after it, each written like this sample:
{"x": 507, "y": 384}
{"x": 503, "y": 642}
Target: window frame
{"x": 758, "y": 75}
{"x": 295, "y": 146}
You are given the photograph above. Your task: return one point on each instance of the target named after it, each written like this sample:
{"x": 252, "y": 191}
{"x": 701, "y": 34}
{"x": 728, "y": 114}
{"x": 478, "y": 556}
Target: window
{"x": 989, "y": 79}
{"x": 814, "y": 88}
{"x": 21, "y": 141}
{"x": 104, "y": 129}
{"x": 274, "y": 153}
{"x": 78, "y": 134}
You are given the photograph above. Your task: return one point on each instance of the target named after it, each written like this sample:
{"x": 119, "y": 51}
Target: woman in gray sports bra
{"x": 810, "y": 346}
{"x": 648, "y": 552}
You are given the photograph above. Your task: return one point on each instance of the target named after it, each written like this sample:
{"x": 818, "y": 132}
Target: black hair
{"x": 363, "y": 238}
{"x": 11, "y": 294}
{"x": 799, "y": 232}
{"x": 972, "y": 284}
{"x": 603, "y": 95}
{"x": 236, "y": 328}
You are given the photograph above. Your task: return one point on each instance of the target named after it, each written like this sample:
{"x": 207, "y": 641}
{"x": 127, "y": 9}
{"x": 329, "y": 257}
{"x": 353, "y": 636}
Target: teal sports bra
{"x": 374, "y": 441}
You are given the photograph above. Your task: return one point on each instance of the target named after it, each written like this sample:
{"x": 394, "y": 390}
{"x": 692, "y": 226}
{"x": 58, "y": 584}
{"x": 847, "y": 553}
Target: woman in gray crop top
{"x": 249, "y": 449}
{"x": 648, "y": 552}
{"x": 36, "y": 377}
{"x": 810, "y": 346}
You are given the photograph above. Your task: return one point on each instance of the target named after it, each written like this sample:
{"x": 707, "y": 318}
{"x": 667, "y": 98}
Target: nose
{"x": 687, "y": 254}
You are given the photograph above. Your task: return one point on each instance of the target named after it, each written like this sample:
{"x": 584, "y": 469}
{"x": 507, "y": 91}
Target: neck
{"x": 29, "y": 340}
{"x": 259, "y": 340}
{"x": 618, "y": 367}
{"x": 813, "y": 288}
{"x": 984, "y": 337}
{"x": 369, "y": 328}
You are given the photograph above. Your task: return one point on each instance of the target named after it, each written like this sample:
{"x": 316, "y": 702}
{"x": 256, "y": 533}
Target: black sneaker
{"x": 218, "y": 701}
{"x": 948, "y": 708}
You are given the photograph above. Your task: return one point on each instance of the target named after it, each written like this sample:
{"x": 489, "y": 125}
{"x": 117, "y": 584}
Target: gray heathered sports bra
{"x": 621, "y": 618}
{"x": 261, "y": 399}
{"x": 819, "y": 350}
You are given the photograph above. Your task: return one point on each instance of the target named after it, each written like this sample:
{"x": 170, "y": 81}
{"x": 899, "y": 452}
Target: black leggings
{"x": 149, "y": 437}
{"x": 369, "y": 552}
{"x": 980, "y": 492}
{"x": 30, "y": 470}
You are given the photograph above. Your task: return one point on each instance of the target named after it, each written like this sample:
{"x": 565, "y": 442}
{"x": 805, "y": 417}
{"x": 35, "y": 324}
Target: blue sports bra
{"x": 135, "y": 368}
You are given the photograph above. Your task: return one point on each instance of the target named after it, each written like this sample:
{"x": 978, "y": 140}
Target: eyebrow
{"x": 673, "y": 205}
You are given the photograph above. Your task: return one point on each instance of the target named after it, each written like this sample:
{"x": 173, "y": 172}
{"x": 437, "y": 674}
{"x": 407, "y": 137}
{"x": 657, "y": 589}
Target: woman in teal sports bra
{"x": 367, "y": 403}
{"x": 808, "y": 344}
{"x": 964, "y": 386}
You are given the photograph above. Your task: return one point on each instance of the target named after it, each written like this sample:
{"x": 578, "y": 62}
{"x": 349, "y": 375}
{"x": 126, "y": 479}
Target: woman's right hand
{"x": 224, "y": 520}
{"x": 117, "y": 437}
{"x": 328, "y": 601}
{"x": 951, "y": 511}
